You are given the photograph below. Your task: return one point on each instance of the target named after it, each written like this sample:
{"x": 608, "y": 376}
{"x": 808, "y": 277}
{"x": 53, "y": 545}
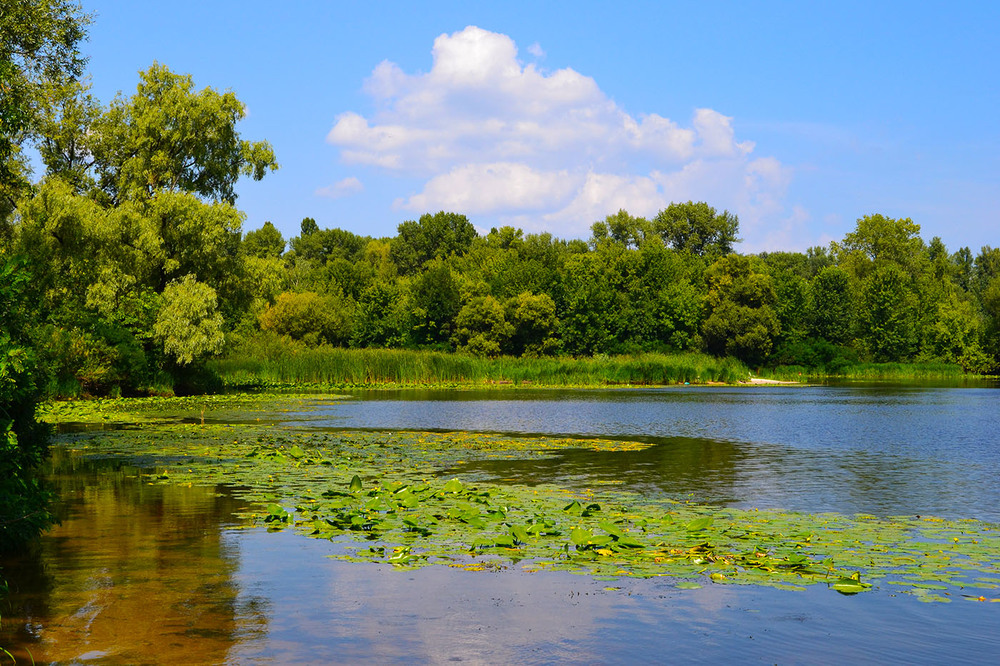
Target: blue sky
{"x": 799, "y": 117}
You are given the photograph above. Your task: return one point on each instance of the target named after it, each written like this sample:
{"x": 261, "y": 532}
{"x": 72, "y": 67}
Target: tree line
{"x": 673, "y": 283}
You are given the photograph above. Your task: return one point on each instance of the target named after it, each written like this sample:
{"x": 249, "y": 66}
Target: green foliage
{"x": 189, "y": 325}
{"x": 266, "y": 242}
{"x": 534, "y": 325}
{"x": 697, "y": 229}
{"x": 67, "y": 112}
{"x": 381, "y": 317}
{"x": 269, "y": 361}
{"x": 621, "y": 228}
{"x": 831, "y": 317}
{"x": 193, "y": 238}
{"x": 432, "y": 236}
{"x": 878, "y": 240}
{"x": 588, "y": 304}
{"x": 990, "y": 298}
{"x": 436, "y": 300}
{"x": 310, "y": 317}
{"x": 741, "y": 320}
{"x": 168, "y": 137}
{"x": 99, "y": 359}
{"x": 481, "y": 327}
{"x": 954, "y": 335}
{"x": 321, "y": 245}
{"x": 23, "y": 441}
{"x": 39, "y": 48}
{"x": 887, "y": 315}
{"x": 817, "y": 355}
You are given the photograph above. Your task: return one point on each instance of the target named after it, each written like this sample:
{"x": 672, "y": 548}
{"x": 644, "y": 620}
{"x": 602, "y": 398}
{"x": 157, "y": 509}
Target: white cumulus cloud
{"x": 487, "y": 188}
{"x": 489, "y": 135}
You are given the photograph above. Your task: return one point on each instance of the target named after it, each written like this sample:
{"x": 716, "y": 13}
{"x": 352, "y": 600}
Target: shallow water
{"x": 140, "y": 573}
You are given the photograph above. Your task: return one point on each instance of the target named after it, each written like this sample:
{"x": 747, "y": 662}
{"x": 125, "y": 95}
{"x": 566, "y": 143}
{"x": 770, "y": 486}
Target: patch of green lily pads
{"x": 382, "y": 495}
{"x": 228, "y": 408}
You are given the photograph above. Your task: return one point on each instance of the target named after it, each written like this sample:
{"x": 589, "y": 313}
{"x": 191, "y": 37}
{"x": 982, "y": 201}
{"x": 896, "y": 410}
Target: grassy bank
{"x": 872, "y": 372}
{"x": 334, "y": 366}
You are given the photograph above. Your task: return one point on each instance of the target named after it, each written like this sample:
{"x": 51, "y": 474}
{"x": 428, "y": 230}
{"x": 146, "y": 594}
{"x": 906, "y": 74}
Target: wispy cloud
{"x": 342, "y": 188}
{"x": 536, "y": 50}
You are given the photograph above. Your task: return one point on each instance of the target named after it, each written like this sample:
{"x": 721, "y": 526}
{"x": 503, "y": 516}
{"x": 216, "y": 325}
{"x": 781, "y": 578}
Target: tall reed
{"x": 870, "y": 371}
{"x": 371, "y": 367}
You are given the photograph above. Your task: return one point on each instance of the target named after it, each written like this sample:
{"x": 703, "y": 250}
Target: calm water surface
{"x": 880, "y": 450}
{"x": 160, "y": 574}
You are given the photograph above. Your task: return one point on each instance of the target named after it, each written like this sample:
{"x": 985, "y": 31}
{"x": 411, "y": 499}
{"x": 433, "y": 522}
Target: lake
{"x": 140, "y": 573}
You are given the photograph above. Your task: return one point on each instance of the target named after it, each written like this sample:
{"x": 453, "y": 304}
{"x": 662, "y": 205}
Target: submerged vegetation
{"x": 393, "y": 498}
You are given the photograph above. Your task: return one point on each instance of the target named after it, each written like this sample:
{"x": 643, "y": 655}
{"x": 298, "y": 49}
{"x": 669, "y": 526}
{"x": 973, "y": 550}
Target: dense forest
{"x": 124, "y": 265}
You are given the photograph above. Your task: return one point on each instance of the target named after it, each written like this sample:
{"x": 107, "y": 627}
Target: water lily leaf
{"x": 699, "y": 524}
{"x": 629, "y": 542}
{"x": 850, "y": 585}
{"x": 610, "y": 528}
{"x": 356, "y": 483}
{"x": 519, "y": 533}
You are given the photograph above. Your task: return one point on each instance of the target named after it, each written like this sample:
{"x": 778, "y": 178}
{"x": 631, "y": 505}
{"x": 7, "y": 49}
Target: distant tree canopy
{"x": 432, "y": 236}
{"x": 266, "y": 242}
{"x": 697, "y": 228}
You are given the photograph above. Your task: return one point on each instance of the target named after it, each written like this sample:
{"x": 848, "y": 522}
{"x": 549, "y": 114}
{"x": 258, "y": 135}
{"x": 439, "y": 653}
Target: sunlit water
{"x": 138, "y": 573}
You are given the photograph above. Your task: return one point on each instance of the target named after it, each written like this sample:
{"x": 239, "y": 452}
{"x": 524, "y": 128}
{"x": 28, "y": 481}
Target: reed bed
{"x": 871, "y": 371}
{"x": 334, "y": 366}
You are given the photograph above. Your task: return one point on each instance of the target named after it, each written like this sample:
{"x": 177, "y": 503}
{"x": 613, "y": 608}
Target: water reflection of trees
{"x": 678, "y": 466}
{"x": 135, "y": 572}
{"x": 757, "y": 475}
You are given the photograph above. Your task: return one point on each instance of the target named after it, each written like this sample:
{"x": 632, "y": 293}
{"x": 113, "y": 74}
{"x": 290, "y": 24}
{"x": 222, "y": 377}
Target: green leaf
{"x": 699, "y": 524}
{"x": 504, "y": 540}
{"x": 519, "y": 533}
{"x": 850, "y": 585}
{"x": 356, "y": 483}
{"x": 629, "y": 542}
